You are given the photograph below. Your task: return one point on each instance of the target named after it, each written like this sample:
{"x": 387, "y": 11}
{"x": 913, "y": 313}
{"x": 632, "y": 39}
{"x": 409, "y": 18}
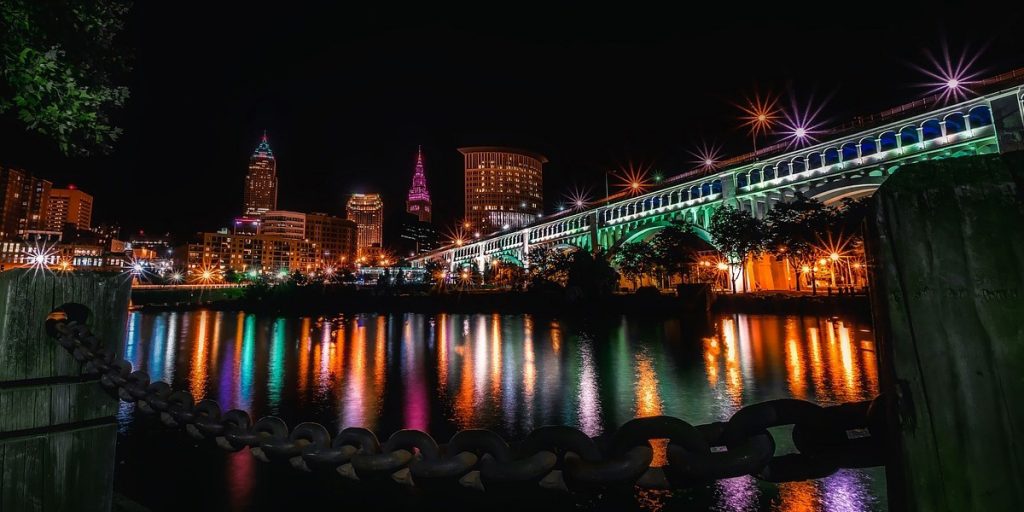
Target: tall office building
{"x": 418, "y": 202}
{"x": 333, "y": 239}
{"x": 503, "y": 187}
{"x": 69, "y": 206}
{"x": 367, "y": 211}
{"x": 23, "y": 203}
{"x": 261, "y": 181}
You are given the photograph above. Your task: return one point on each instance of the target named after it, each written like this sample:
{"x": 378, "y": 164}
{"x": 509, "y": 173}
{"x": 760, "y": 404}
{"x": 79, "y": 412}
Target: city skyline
{"x": 653, "y": 111}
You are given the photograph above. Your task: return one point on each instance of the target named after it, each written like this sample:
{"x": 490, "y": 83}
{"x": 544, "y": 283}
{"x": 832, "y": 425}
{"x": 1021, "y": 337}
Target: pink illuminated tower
{"x": 418, "y": 203}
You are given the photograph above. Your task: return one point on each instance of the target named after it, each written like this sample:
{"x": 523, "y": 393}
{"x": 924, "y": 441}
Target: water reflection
{"x": 512, "y": 373}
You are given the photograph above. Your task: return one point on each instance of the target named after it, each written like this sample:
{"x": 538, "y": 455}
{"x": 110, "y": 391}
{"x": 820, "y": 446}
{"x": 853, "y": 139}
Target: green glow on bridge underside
{"x": 976, "y": 135}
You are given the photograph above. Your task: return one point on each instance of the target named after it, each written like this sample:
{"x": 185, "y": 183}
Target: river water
{"x": 509, "y": 373}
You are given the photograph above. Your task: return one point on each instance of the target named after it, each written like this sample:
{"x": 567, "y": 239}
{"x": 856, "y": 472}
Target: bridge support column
{"x": 1008, "y": 119}
{"x": 57, "y": 429}
{"x": 592, "y": 227}
{"x": 947, "y": 258}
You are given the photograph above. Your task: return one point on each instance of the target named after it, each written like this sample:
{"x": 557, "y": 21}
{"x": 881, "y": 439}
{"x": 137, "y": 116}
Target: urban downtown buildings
{"x": 367, "y": 211}
{"x": 504, "y": 187}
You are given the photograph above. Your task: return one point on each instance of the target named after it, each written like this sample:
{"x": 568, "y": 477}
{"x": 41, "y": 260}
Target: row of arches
{"x": 670, "y": 197}
{"x": 908, "y": 136}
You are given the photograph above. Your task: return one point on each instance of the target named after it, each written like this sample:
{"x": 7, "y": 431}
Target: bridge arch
{"x": 931, "y": 129}
{"x": 829, "y": 192}
{"x": 979, "y": 115}
{"x": 954, "y": 123}
{"x": 909, "y": 136}
{"x": 646, "y": 231}
{"x": 888, "y": 141}
{"x": 849, "y": 151}
{"x": 868, "y": 146}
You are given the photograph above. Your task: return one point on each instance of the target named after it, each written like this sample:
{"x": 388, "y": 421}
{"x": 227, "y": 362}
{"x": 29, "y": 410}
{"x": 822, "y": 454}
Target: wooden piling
{"x": 946, "y": 252}
{"x": 57, "y": 429}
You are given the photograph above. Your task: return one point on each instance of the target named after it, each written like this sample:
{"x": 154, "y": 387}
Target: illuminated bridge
{"x": 852, "y": 161}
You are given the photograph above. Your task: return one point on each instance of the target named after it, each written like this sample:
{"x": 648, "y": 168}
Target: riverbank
{"x": 330, "y": 300}
{"x": 781, "y": 302}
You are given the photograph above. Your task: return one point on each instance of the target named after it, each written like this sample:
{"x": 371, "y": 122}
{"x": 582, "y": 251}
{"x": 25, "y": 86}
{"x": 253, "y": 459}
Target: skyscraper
{"x": 367, "y": 211}
{"x": 23, "y": 202}
{"x": 503, "y": 187}
{"x": 69, "y": 206}
{"x": 418, "y": 202}
{"x": 261, "y": 181}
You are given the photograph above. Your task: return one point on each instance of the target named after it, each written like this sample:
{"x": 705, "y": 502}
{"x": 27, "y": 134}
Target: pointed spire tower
{"x": 419, "y": 197}
{"x": 261, "y": 181}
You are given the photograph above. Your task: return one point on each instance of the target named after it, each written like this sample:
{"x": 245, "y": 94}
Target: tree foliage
{"x": 57, "y": 68}
{"x": 590, "y": 275}
{"x": 674, "y": 248}
{"x": 633, "y": 261}
{"x": 801, "y": 230}
{"x": 737, "y": 235}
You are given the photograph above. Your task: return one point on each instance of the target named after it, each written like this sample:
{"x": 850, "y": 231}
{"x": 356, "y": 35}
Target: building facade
{"x": 503, "y": 188}
{"x": 334, "y": 239}
{"x": 417, "y": 236}
{"x": 23, "y": 203}
{"x": 246, "y": 226}
{"x": 68, "y": 206}
{"x": 247, "y": 253}
{"x": 261, "y": 181}
{"x": 418, "y": 202}
{"x": 283, "y": 224}
{"x": 367, "y": 211}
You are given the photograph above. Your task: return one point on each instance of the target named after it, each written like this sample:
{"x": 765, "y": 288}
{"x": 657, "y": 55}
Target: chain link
{"x": 554, "y": 457}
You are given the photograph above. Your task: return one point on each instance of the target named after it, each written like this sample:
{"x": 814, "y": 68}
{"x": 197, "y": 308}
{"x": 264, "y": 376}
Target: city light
{"x": 722, "y": 266}
{"x": 206, "y": 275}
{"x": 950, "y": 77}
{"x": 578, "y": 198}
{"x": 801, "y": 126}
{"x": 759, "y": 115}
{"x": 176, "y": 277}
{"x": 633, "y": 178}
{"x": 706, "y": 156}
{"x": 39, "y": 256}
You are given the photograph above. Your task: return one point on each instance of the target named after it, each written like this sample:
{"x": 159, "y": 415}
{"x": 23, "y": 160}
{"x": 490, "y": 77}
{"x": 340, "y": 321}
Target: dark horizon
{"x": 346, "y": 96}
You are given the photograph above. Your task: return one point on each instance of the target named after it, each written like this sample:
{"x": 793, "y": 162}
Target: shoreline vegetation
{"x": 692, "y": 300}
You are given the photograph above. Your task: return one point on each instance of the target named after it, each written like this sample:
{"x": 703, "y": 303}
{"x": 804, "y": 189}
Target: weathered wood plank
{"x": 65, "y": 464}
{"x": 24, "y": 408}
{"x": 26, "y": 297}
{"x": 21, "y": 485}
{"x": 947, "y": 249}
{"x": 81, "y": 466}
{"x": 43, "y": 405}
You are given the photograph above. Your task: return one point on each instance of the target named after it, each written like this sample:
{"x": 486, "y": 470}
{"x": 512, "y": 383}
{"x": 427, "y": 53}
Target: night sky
{"x": 346, "y": 95}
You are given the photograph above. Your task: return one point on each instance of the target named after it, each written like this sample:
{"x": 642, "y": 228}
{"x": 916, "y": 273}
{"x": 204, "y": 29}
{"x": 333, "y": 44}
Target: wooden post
{"x": 57, "y": 429}
{"x": 947, "y": 260}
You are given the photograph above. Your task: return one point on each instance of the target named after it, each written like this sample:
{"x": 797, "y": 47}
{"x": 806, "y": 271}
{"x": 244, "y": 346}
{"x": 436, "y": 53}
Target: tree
{"x": 738, "y": 236}
{"x": 550, "y": 265}
{"x": 634, "y": 261}
{"x": 297, "y": 278}
{"x": 795, "y": 229}
{"x": 673, "y": 249}
{"x": 434, "y": 271}
{"x": 57, "y": 67}
{"x": 590, "y": 276}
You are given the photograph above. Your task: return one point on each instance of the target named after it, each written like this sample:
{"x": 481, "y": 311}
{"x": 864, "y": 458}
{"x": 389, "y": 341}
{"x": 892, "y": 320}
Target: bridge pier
{"x": 946, "y": 253}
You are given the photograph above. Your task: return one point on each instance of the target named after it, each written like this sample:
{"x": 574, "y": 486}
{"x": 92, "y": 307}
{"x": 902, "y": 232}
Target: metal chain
{"x": 553, "y": 457}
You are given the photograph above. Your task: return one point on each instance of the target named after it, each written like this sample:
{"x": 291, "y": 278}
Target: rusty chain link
{"x": 553, "y": 457}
